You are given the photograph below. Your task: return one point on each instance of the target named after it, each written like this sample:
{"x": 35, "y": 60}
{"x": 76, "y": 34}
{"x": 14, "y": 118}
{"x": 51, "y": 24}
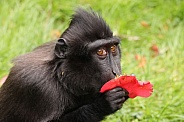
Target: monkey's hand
{"x": 114, "y": 99}
{"x": 106, "y": 103}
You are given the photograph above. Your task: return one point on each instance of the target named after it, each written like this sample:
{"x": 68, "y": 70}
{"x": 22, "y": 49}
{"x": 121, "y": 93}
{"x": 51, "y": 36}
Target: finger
{"x": 117, "y": 95}
{"x": 118, "y": 101}
{"x": 126, "y": 92}
{"x": 116, "y": 89}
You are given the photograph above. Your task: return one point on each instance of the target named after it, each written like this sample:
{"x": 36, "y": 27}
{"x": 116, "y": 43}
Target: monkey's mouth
{"x": 108, "y": 78}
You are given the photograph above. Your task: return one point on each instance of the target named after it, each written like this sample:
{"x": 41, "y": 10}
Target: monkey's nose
{"x": 114, "y": 73}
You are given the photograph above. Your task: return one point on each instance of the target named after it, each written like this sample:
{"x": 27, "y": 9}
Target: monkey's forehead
{"x": 102, "y": 42}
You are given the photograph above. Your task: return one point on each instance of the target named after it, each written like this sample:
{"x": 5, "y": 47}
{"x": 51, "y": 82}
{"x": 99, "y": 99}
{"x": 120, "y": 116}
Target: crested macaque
{"x": 60, "y": 81}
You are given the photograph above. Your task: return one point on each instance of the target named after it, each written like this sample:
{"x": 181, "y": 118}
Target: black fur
{"x": 60, "y": 80}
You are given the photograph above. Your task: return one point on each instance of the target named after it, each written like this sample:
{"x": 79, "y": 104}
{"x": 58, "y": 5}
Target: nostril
{"x": 114, "y": 73}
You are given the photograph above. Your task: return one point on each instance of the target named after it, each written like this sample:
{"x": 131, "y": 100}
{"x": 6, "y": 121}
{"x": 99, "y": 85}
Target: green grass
{"x": 25, "y": 24}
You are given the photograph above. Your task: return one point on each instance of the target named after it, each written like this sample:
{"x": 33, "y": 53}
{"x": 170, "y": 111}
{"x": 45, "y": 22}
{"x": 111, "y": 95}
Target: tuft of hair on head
{"x": 86, "y": 26}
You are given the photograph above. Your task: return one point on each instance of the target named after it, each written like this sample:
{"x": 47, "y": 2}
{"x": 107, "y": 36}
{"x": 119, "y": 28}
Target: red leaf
{"x": 141, "y": 60}
{"x": 145, "y": 24}
{"x": 109, "y": 85}
{"x": 55, "y": 33}
{"x": 155, "y": 49}
{"x": 131, "y": 84}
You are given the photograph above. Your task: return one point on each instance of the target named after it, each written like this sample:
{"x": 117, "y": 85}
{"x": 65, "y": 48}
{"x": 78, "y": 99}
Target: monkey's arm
{"x": 28, "y": 95}
{"x": 106, "y": 104}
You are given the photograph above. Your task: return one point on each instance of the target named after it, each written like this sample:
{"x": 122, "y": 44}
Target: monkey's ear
{"x": 60, "y": 48}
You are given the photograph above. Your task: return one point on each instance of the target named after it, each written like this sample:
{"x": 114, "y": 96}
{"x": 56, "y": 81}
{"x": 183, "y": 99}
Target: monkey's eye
{"x": 113, "y": 49}
{"x": 101, "y": 52}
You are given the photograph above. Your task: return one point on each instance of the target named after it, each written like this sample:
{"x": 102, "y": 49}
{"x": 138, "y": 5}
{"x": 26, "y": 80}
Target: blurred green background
{"x": 152, "y": 33}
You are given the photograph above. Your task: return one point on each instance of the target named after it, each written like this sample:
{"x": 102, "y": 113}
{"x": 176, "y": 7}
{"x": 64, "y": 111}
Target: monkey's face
{"x": 91, "y": 64}
{"x": 89, "y": 52}
{"x": 107, "y": 58}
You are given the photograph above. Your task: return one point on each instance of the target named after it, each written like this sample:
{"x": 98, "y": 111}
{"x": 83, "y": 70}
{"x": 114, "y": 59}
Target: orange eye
{"x": 113, "y": 48}
{"x": 101, "y": 52}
